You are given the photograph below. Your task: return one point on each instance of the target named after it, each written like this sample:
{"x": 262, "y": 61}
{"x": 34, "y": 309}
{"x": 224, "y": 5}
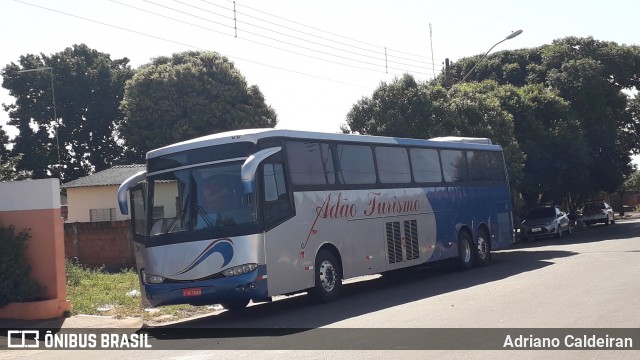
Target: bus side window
{"x": 277, "y": 203}
{"x": 454, "y": 165}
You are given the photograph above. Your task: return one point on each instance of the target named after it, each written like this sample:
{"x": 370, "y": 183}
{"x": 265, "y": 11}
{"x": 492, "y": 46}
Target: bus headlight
{"x": 153, "y": 279}
{"x": 239, "y": 270}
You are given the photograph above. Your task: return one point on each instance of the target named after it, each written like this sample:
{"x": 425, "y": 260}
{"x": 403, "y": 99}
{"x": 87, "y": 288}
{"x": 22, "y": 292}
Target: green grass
{"x": 91, "y": 289}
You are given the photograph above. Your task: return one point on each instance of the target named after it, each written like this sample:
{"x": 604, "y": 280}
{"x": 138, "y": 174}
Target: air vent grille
{"x": 402, "y": 241}
{"x": 394, "y": 242}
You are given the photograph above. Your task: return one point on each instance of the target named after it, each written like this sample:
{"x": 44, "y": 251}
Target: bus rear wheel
{"x": 328, "y": 277}
{"x": 482, "y": 249}
{"x": 465, "y": 251}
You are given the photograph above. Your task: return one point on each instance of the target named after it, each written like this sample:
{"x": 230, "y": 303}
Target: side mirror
{"x": 250, "y": 167}
{"x": 122, "y": 190}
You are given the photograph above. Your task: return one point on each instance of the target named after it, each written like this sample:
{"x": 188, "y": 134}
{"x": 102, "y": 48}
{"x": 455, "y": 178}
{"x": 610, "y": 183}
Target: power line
{"x": 244, "y": 39}
{"x": 321, "y": 30}
{"x": 299, "y": 38}
{"x": 268, "y": 38}
{"x": 187, "y": 45}
{"x": 377, "y": 51}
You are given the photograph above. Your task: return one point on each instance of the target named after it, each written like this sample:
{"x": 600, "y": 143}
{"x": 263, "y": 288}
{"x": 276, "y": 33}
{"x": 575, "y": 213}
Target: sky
{"x": 312, "y": 60}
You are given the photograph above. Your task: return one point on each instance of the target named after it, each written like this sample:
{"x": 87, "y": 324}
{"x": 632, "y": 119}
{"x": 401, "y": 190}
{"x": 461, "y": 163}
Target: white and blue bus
{"x": 251, "y": 214}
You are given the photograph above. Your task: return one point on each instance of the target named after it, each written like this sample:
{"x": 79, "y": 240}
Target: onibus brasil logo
{"x": 32, "y": 339}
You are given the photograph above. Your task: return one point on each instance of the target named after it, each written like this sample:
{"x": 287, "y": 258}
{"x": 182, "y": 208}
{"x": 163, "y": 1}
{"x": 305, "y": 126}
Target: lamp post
{"x": 511, "y": 36}
{"x": 55, "y": 114}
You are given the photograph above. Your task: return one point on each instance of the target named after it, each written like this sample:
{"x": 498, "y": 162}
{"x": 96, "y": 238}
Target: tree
{"x": 545, "y": 149}
{"x": 591, "y": 76}
{"x": 505, "y": 67}
{"x": 88, "y": 89}
{"x": 405, "y": 108}
{"x": 15, "y": 284}
{"x": 631, "y": 132}
{"x": 633, "y": 182}
{"x": 600, "y": 111}
{"x": 401, "y": 108}
{"x": 8, "y": 163}
{"x": 4, "y": 143}
{"x": 475, "y": 109}
{"x": 557, "y": 160}
{"x": 8, "y": 169}
{"x": 187, "y": 95}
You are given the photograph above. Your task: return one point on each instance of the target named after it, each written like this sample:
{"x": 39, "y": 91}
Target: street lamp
{"x": 511, "y": 36}
{"x": 55, "y": 114}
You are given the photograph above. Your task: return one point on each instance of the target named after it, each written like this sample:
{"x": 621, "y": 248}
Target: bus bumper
{"x": 250, "y": 286}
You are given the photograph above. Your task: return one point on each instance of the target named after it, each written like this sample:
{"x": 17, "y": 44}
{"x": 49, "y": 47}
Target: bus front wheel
{"x": 328, "y": 277}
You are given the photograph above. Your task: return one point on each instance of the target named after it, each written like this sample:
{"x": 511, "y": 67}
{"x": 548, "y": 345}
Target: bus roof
{"x": 253, "y": 135}
{"x": 466, "y": 140}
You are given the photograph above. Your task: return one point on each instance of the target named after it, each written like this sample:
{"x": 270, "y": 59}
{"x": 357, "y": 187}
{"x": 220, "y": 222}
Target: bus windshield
{"x": 201, "y": 197}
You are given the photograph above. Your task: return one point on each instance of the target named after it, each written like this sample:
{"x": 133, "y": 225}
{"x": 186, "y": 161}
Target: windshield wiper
{"x": 178, "y": 216}
{"x": 173, "y": 221}
{"x": 206, "y": 217}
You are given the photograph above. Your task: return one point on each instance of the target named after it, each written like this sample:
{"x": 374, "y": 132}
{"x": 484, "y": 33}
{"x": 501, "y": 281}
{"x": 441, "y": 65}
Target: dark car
{"x": 597, "y": 211}
{"x": 544, "y": 221}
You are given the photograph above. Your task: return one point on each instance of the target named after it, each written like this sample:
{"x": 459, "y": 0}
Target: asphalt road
{"x": 587, "y": 281}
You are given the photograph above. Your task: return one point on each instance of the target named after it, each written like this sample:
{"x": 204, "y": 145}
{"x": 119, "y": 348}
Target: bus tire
{"x": 235, "y": 305}
{"x": 328, "y": 277}
{"x": 482, "y": 249}
{"x": 465, "y": 251}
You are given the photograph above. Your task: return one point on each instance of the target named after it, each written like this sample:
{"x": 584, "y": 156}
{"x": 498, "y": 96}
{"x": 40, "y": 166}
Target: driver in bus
{"x": 217, "y": 198}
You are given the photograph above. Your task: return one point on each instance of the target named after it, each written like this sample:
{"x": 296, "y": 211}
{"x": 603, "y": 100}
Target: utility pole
{"x": 447, "y": 74}
{"x": 55, "y": 113}
{"x": 433, "y": 62}
{"x": 511, "y": 36}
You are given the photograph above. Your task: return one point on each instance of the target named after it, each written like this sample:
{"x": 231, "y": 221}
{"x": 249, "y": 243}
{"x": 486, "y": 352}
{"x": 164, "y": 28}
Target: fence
{"x": 96, "y": 244}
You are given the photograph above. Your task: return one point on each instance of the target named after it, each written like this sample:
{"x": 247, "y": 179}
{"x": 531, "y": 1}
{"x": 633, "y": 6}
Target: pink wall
{"x": 35, "y": 205}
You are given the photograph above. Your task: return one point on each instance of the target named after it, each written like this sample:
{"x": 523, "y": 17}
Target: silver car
{"x": 544, "y": 221}
{"x": 597, "y": 211}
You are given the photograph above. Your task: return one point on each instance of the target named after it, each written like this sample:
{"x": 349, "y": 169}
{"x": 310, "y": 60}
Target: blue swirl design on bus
{"x": 223, "y": 247}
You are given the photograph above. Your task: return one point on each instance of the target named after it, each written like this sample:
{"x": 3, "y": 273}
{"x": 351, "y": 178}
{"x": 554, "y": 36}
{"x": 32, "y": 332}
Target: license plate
{"x": 192, "y": 292}
{"x": 536, "y": 229}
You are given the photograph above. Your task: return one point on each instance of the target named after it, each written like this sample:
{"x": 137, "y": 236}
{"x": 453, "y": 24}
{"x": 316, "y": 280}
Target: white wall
{"x": 30, "y": 195}
{"x": 80, "y": 200}
{"x": 169, "y": 193}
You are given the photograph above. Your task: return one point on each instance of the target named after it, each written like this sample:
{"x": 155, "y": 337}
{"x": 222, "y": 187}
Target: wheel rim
{"x": 465, "y": 251}
{"x": 327, "y": 275}
{"x": 483, "y": 248}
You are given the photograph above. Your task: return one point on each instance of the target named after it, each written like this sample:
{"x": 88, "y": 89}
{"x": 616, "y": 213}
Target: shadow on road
{"x": 296, "y": 318}
{"x": 366, "y": 296}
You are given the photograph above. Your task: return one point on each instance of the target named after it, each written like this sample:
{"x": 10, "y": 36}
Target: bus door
{"x": 139, "y": 224}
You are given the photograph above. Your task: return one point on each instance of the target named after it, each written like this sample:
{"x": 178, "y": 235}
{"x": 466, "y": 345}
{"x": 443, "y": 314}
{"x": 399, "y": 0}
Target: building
{"x": 94, "y": 198}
